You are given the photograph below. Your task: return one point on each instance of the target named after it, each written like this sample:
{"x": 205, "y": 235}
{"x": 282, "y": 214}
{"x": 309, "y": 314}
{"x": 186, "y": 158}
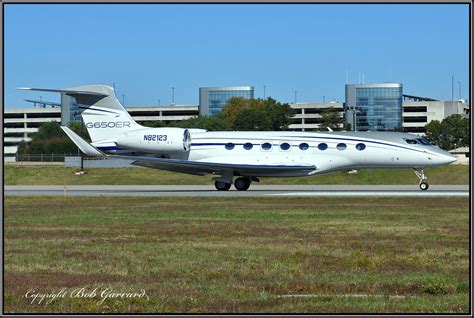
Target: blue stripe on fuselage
{"x": 220, "y": 144}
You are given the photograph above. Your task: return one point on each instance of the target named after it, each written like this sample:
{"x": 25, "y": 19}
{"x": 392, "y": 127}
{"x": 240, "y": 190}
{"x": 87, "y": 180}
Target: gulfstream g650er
{"x": 245, "y": 155}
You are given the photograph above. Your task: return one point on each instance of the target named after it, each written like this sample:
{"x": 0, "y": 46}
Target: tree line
{"x": 241, "y": 114}
{"x": 51, "y": 139}
{"x": 450, "y": 133}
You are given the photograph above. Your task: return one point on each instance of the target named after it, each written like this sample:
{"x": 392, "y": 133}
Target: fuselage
{"x": 328, "y": 151}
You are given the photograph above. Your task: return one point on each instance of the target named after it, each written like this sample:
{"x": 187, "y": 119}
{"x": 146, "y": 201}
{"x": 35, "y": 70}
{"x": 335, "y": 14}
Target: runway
{"x": 254, "y": 191}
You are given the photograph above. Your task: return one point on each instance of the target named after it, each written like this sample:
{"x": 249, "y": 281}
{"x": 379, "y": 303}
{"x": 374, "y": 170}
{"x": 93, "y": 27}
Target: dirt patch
{"x": 87, "y": 256}
{"x": 19, "y": 251}
{"x": 35, "y": 234}
{"x": 21, "y": 282}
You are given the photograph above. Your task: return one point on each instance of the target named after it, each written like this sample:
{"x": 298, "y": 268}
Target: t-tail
{"x": 104, "y": 117}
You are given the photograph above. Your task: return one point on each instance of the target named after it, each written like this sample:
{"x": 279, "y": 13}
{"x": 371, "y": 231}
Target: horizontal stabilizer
{"x": 85, "y": 147}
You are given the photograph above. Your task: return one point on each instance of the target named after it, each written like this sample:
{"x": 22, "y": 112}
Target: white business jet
{"x": 245, "y": 155}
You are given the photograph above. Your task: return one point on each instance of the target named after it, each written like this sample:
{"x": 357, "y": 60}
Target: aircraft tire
{"x": 222, "y": 186}
{"x": 424, "y": 186}
{"x": 242, "y": 184}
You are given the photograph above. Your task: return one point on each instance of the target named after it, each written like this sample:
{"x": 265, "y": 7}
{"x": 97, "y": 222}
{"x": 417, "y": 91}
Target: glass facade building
{"x": 212, "y": 99}
{"x": 378, "y": 107}
{"x": 70, "y": 111}
{"x": 75, "y": 111}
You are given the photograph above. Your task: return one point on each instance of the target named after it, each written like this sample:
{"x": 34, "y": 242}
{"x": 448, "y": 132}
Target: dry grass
{"x": 240, "y": 255}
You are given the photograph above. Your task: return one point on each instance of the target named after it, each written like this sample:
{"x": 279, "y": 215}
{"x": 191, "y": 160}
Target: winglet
{"x": 82, "y": 144}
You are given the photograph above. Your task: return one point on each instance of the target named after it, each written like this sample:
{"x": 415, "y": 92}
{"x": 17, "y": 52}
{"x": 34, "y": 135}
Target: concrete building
{"x": 308, "y": 115}
{"x": 19, "y": 124}
{"x": 378, "y": 107}
{"x": 146, "y": 114}
{"x": 212, "y": 99}
{"x": 419, "y": 111}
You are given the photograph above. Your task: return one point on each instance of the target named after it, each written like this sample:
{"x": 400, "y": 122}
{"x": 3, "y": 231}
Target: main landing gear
{"x": 241, "y": 184}
{"x": 222, "y": 186}
{"x": 423, "y": 179}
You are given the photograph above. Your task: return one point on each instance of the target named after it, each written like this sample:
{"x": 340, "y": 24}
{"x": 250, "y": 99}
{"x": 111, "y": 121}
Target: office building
{"x": 377, "y": 107}
{"x": 212, "y": 99}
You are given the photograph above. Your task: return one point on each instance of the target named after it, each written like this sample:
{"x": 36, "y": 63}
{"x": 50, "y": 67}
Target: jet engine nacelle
{"x": 156, "y": 140}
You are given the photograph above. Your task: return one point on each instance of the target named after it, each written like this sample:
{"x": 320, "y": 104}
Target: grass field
{"x": 58, "y": 175}
{"x": 369, "y": 255}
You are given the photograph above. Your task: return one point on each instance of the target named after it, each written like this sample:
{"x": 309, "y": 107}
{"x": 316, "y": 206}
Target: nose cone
{"x": 450, "y": 158}
{"x": 442, "y": 157}
{"x": 445, "y": 159}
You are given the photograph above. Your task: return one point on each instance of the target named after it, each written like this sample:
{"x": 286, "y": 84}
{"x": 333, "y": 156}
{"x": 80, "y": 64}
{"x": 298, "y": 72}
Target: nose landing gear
{"x": 423, "y": 179}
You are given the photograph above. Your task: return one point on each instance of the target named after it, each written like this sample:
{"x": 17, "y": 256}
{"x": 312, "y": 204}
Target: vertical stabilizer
{"x": 104, "y": 117}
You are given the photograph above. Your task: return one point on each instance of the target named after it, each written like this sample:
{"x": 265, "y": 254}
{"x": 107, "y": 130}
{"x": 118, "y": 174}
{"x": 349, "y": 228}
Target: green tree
{"x": 156, "y": 123}
{"x": 257, "y": 114}
{"x": 331, "y": 118}
{"x": 213, "y": 123}
{"x": 231, "y": 110}
{"x": 452, "y": 132}
{"x": 252, "y": 119}
{"x": 51, "y": 139}
{"x": 280, "y": 114}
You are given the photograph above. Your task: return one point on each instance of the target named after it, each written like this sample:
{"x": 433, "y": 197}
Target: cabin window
{"x": 360, "y": 146}
{"x": 322, "y": 146}
{"x": 285, "y": 146}
{"x": 304, "y": 146}
{"x": 341, "y": 146}
{"x": 229, "y": 146}
{"x": 248, "y": 146}
{"x": 266, "y": 146}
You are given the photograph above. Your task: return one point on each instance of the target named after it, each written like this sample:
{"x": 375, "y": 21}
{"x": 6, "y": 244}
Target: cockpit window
{"x": 411, "y": 141}
{"x": 423, "y": 141}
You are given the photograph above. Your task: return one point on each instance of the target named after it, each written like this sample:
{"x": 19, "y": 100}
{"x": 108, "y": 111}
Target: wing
{"x": 202, "y": 168}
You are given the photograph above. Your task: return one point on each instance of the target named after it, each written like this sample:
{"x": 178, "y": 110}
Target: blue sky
{"x": 147, "y": 49}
